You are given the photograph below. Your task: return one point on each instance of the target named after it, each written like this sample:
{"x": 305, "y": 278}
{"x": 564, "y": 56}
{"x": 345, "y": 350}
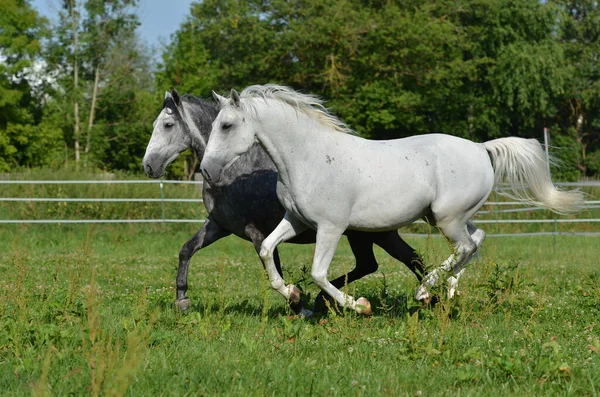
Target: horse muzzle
{"x": 152, "y": 167}
{"x": 212, "y": 169}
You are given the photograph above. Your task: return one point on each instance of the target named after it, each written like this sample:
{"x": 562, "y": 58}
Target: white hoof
{"x": 422, "y": 295}
{"x": 294, "y": 294}
{"x": 363, "y": 306}
{"x": 453, "y": 287}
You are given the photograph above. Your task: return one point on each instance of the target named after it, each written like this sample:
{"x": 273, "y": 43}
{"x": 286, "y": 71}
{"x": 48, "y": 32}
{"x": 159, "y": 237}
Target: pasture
{"x": 88, "y": 310}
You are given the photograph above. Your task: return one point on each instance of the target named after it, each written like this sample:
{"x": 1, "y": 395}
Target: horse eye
{"x": 169, "y": 125}
{"x": 226, "y": 126}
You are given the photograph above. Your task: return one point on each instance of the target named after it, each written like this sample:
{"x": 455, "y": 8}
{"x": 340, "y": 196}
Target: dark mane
{"x": 202, "y": 106}
{"x": 202, "y": 112}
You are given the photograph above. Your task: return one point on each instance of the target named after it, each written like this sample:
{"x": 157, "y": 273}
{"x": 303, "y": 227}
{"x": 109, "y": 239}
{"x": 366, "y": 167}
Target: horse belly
{"x": 390, "y": 211}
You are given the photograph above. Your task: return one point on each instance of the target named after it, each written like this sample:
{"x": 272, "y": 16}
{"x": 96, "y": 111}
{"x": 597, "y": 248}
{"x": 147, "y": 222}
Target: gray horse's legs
{"x": 257, "y": 238}
{"x": 399, "y": 249}
{"x": 208, "y": 234}
{"x": 288, "y": 227}
{"x": 327, "y": 241}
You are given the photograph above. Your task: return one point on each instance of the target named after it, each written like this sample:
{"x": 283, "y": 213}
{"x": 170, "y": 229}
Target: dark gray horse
{"x": 246, "y": 203}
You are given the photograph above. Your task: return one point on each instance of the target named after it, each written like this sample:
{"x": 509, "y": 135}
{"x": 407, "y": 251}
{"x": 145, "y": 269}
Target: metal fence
{"x": 589, "y": 204}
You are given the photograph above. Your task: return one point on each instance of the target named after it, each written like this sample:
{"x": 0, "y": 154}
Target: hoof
{"x": 430, "y": 300}
{"x": 294, "y": 295}
{"x": 422, "y": 294}
{"x": 305, "y": 313}
{"x": 183, "y": 304}
{"x": 296, "y": 304}
{"x": 363, "y": 307}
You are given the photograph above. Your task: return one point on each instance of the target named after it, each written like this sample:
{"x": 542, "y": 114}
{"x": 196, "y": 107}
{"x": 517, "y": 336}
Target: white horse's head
{"x": 232, "y": 135}
{"x": 169, "y": 137}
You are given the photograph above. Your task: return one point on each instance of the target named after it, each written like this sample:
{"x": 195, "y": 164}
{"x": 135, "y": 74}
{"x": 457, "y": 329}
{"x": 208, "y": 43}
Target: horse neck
{"x": 199, "y": 118}
{"x": 301, "y": 133}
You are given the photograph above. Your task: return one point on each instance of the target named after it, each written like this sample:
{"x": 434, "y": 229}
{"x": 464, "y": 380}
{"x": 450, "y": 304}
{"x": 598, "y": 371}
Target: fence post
{"x": 555, "y": 232}
{"x": 162, "y": 201}
{"x": 496, "y": 211}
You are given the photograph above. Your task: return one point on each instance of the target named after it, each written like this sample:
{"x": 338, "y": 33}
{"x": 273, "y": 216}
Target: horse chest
{"x": 288, "y": 201}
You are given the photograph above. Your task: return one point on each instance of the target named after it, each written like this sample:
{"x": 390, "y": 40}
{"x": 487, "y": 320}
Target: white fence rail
{"x": 590, "y": 204}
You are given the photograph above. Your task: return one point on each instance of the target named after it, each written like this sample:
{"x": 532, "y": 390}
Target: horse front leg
{"x": 327, "y": 242}
{"x": 361, "y": 244}
{"x": 210, "y": 232}
{"x": 288, "y": 228}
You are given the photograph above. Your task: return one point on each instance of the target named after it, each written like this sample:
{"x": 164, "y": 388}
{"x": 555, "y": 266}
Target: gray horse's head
{"x": 184, "y": 122}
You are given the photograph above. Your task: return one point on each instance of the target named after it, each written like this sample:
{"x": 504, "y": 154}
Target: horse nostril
{"x": 148, "y": 169}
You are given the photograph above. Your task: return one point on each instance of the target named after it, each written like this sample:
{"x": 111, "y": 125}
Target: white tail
{"x": 523, "y": 165}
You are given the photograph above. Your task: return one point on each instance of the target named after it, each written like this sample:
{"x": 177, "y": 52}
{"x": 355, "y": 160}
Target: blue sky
{"x": 159, "y": 18}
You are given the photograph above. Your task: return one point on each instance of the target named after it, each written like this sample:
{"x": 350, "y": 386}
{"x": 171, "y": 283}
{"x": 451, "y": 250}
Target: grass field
{"x": 88, "y": 310}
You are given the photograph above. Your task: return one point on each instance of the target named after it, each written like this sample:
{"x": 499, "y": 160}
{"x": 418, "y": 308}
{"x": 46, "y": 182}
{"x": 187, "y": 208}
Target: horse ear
{"x": 219, "y": 99}
{"x": 235, "y": 97}
{"x": 176, "y": 97}
{"x": 167, "y": 95}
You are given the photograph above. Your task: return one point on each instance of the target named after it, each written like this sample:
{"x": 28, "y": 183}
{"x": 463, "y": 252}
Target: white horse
{"x": 331, "y": 180}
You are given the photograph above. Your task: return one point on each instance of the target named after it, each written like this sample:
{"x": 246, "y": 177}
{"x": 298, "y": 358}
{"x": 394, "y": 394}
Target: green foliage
{"x": 578, "y": 113}
{"x": 126, "y": 111}
{"x": 21, "y": 31}
{"x": 566, "y": 151}
{"x": 480, "y": 69}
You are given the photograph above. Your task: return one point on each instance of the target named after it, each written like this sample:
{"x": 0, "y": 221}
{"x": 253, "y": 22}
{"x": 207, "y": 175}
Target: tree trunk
{"x": 192, "y": 169}
{"x": 75, "y": 81}
{"x": 93, "y": 109}
{"x": 579, "y": 130}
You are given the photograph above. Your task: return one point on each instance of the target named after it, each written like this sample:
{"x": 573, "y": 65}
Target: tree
{"x": 474, "y": 68}
{"x": 87, "y": 37}
{"x": 126, "y": 108}
{"x": 578, "y": 116}
{"x": 105, "y": 25}
{"x": 21, "y": 31}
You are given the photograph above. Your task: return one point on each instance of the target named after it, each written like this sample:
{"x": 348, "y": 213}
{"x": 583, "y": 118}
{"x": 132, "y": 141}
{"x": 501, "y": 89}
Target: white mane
{"x": 310, "y": 105}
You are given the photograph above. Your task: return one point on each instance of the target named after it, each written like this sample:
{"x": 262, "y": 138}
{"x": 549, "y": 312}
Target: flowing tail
{"x": 523, "y": 165}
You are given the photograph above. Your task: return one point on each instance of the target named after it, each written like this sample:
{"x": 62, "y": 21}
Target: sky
{"x": 159, "y": 18}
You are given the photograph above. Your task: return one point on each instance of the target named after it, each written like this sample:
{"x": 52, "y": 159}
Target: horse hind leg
{"x": 399, "y": 249}
{"x": 477, "y": 235}
{"x": 210, "y": 232}
{"x": 464, "y": 246}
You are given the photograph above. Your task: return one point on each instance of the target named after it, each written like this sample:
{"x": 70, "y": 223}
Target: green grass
{"x": 89, "y": 310}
